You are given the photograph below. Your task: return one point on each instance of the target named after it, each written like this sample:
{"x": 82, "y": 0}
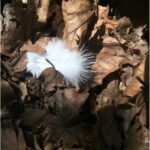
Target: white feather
{"x": 74, "y": 65}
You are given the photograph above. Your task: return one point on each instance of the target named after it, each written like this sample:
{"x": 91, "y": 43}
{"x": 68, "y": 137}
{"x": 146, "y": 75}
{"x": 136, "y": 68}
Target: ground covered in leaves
{"x": 108, "y": 113}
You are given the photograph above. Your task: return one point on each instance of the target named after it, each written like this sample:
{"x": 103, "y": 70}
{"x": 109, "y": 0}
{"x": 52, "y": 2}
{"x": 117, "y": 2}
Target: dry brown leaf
{"x": 109, "y": 93}
{"x": 103, "y": 14}
{"x": 128, "y": 113}
{"x": 49, "y": 146}
{"x": 66, "y": 101}
{"x": 106, "y": 129}
{"x": 32, "y": 122}
{"x": 135, "y": 86}
{"x": 108, "y": 60}
{"x": 42, "y": 11}
{"x": 38, "y": 46}
{"x": 69, "y": 119}
{"x": 75, "y": 98}
{"x": 17, "y": 25}
{"x": 7, "y": 93}
{"x": 10, "y": 141}
{"x": 12, "y": 34}
{"x": 19, "y": 22}
{"x": 52, "y": 79}
{"x": 137, "y": 138}
{"x": 142, "y": 117}
{"x": 76, "y": 15}
{"x": 20, "y": 64}
{"x": 126, "y": 76}
{"x": 57, "y": 23}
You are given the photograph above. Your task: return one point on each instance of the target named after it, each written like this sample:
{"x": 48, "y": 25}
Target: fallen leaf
{"x": 76, "y": 15}
{"x": 11, "y": 141}
{"x": 7, "y": 93}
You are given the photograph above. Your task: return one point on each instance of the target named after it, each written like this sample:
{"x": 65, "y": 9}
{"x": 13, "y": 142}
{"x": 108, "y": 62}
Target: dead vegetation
{"x": 45, "y": 113}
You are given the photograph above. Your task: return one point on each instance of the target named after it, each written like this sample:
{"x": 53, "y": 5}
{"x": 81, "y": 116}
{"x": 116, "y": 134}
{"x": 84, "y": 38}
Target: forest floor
{"x": 111, "y": 112}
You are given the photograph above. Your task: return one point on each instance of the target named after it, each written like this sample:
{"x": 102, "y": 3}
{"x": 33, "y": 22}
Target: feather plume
{"x": 75, "y": 65}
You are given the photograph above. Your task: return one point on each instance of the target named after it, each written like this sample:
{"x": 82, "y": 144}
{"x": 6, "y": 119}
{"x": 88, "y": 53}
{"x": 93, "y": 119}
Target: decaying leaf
{"x": 49, "y": 112}
{"x": 7, "y": 93}
{"x": 76, "y": 15}
{"x": 43, "y": 11}
{"x": 38, "y": 46}
{"x": 135, "y": 86}
{"x": 109, "y": 60}
{"x": 11, "y": 140}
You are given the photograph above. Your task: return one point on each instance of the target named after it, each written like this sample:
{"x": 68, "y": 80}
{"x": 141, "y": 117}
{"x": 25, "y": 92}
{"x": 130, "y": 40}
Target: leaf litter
{"x": 47, "y": 113}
